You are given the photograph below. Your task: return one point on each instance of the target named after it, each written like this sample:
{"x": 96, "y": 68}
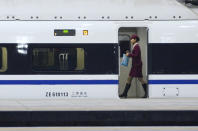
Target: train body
{"x": 71, "y": 49}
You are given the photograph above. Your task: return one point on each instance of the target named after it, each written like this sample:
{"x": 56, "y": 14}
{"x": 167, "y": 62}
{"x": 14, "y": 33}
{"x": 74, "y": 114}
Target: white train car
{"x": 71, "y": 49}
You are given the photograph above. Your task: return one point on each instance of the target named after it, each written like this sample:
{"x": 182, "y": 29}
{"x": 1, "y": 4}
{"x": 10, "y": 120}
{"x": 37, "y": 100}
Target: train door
{"x": 136, "y": 90}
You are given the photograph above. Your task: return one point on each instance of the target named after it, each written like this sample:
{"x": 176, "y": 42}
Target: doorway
{"x": 136, "y": 90}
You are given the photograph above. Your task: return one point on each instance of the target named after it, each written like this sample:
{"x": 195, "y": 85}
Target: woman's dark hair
{"x": 135, "y": 37}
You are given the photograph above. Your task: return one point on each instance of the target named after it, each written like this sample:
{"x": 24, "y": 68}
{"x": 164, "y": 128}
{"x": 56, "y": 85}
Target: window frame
{"x": 4, "y": 62}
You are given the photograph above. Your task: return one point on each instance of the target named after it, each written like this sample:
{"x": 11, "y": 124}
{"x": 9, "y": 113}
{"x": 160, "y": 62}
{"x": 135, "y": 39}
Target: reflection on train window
{"x": 58, "y": 59}
{"x": 3, "y": 59}
{"x": 173, "y": 58}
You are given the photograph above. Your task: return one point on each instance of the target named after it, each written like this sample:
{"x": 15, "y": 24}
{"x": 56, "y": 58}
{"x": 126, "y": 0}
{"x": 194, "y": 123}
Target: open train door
{"x": 136, "y": 90}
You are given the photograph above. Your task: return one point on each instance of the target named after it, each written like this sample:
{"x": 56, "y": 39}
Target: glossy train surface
{"x": 61, "y": 56}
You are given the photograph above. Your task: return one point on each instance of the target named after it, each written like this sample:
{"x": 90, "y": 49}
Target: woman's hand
{"x": 127, "y": 53}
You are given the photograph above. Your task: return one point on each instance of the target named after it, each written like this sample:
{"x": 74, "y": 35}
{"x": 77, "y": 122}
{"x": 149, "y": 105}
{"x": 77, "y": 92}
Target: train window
{"x": 3, "y": 59}
{"x": 58, "y": 59}
{"x": 173, "y": 58}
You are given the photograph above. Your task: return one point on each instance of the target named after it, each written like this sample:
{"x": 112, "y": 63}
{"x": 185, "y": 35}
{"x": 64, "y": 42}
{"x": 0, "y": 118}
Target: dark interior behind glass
{"x": 173, "y": 58}
{"x": 62, "y": 58}
{"x": 1, "y": 57}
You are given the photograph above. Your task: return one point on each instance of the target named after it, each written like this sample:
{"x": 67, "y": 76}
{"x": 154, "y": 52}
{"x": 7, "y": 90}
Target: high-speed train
{"x": 72, "y": 49}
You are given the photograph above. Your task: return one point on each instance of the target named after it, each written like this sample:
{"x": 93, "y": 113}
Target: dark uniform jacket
{"x": 136, "y": 69}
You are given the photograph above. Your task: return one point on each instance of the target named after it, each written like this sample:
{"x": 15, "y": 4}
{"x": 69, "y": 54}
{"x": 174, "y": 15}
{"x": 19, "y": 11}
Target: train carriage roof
{"x": 94, "y": 10}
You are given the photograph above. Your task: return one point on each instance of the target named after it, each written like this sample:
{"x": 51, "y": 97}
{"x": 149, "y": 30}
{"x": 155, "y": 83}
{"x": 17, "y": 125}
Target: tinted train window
{"x": 74, "y": 58}
{"x": 3, "y": 59}
{"x": 173, "y": 58}
{"x": 55, "y": 58}
{"x": 58, "y": 59}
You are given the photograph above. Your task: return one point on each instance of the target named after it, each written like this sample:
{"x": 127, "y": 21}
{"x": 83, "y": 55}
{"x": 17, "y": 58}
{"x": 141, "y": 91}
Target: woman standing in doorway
{"x": 136, "y": 69}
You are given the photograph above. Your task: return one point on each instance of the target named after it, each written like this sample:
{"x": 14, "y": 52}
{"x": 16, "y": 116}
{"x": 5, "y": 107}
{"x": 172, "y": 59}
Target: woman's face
{"x": 133, "y": 41}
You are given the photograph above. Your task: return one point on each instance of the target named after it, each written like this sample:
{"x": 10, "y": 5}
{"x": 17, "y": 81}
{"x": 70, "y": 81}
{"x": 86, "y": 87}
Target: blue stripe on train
{"x": 173, "y": 81}
{"x": 56, "y": 82}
